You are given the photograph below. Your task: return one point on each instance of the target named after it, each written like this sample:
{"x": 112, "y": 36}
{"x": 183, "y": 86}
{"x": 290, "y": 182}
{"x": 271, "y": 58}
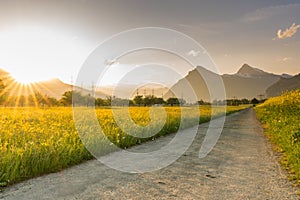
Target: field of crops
{"x": 280, "y": 116}
{"x": 35, "y": 141}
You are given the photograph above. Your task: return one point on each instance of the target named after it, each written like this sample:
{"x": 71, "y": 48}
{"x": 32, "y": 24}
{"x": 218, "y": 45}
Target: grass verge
{"x": 280, "y": 118}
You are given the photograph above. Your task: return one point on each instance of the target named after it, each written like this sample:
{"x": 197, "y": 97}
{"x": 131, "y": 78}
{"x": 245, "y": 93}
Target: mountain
{"x": 193, "y": 82}
{"x": 286, "y": 76}
{"x": 5, "y": 76}
{"x": 251, "y": 72}
{"x": 52, "y": 88}
{"x": 283, "y": 85}
{"x": 3, "y": 73}
{"x": 248, "y": 83}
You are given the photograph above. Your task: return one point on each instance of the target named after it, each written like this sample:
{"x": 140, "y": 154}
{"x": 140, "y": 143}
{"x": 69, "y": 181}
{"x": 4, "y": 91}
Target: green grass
{"x": 281, "y": 119}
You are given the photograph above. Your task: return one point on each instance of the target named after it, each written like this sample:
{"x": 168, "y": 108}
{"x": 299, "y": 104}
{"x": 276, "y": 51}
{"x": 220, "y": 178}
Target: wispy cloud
{"x": 268, "y": 12}
{"x": 193, "y": 53}
{"x": 284, "y": 59}
{"x": 289, "y": 32}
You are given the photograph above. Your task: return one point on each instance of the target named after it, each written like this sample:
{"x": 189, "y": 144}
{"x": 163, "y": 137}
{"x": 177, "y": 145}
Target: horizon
{"x": 114, "y": 84}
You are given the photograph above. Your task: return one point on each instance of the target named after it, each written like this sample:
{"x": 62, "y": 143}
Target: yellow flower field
{"x": 35, "y": 141}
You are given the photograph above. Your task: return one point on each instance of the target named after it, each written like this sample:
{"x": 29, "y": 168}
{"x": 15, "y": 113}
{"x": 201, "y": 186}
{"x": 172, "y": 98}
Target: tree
{"x": 119, "y": 102}
{"x": 245, "y": 101}
{"x": 22, "y": 101}
{"x": 254, "y": 101}
{"x": 159, "y": 101}
{"x": 138, "y": 100}
{"x": 201, "y": 102}
{"x": 66, "y": 99}
{"x": 172, "y": 101}
{"x": 100, "y": 102}
{"x": 41, "y": 99}
{"x": 72, "y": 98}
{"x": 149, "y": 100}
{"x": 109, "y": 99}
{"x": 52, "y": 101}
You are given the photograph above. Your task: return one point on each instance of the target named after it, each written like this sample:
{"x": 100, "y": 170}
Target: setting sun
{"x": 25, "y": 78}
{"x": 33, "y": 54}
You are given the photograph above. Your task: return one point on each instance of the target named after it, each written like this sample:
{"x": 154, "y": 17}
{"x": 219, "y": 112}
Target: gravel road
{"x": 241, "y": 166}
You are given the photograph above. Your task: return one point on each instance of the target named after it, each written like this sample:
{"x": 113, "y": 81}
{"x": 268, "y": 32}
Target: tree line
{"x": 75, "y": 98}
{"x": 234, "y": 102}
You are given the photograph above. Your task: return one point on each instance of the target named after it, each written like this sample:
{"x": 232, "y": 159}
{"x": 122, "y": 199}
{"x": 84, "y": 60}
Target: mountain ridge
{"x": 248, "y": 82}
{"x": 284, "y": 85}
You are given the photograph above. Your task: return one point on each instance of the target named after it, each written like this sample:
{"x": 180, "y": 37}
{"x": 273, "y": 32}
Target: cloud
{"x": 270, "y": 12}
{"x": 289, "y": 32}
{"x": 286, "y": 59}
{"x": 193, "y": 53}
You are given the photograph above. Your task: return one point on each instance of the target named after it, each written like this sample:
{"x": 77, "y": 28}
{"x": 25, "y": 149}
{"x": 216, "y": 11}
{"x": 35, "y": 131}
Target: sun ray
{"x": 10, "y": 87}
{"x": 26, "y": 102}
{"x": 8, "y": 83}
{"x": 44, "y": 97}
{"x": 31, "y": 88}
{"x": 19, "y": 95}
{"x": 44, "y": 86}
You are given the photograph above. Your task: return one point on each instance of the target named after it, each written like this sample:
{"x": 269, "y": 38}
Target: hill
{"x": 52, "y": 88}
{"x": 283, "y": 85}
{"x": 248, "y": 82}
{"x": 5, "y": 76}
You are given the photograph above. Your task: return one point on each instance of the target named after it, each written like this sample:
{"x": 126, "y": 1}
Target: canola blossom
{"x": 36, "y": 141}
{"x": 280, "y": 117}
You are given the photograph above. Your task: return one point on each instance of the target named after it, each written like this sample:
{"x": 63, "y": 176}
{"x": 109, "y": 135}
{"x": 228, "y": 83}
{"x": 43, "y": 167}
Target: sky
{"x": 40, "y": 40}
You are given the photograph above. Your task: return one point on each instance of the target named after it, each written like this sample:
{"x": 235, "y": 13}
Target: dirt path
{"x": 241, "y": 166}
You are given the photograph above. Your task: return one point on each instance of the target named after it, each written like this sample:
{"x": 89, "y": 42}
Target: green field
{"x": 35, "y": 141}
{"x": 281, "y": 119}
